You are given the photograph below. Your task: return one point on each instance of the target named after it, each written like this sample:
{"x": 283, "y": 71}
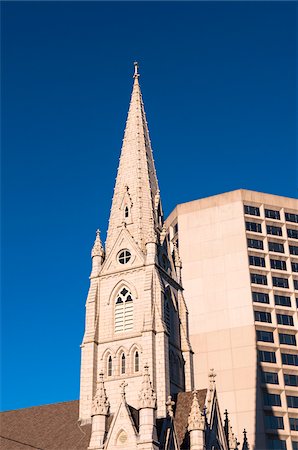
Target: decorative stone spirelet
{"x": 100, "y": 404}
{"x": 196, "y": 420}
{"x": 147, "y": 396}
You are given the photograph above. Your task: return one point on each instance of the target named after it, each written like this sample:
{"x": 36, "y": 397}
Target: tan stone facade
{"x": 238, "y": 295}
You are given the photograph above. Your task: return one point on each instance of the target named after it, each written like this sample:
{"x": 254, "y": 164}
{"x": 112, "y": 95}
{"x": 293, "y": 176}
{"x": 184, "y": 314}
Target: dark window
{"x": 289, "y": 359}
{"x": 176, "y": 228}
{"x": 293, "y": 249}
{"x": 292, "y": 233}
{"x": 282, "y": 300}
{"x": 274, "y": 422}
{"x": 126, "y": 212}
{"x": 265, "y": 336}
{"x": 280, "y": 282}
{"x": 251, "y": 210}
{"x": 294, "y": 423}
{"x": 137, "y": 361}
{"x": 260, "y": 297}
{"x": 272, "y": 214}
{"x": 271, "y": 399}
{"x": 267, "y": 356}
{"x": 253, "y": 226}
{"x": 289, "y": 339}
{"x": 296, "y": 285}
{"x": 258, "y": 279}
{"x": 273, "y": 443}
{"x": 262, "y": 316}
{"x": 123, "y": 363}
{"x": 278, "y": 264}
{"x": 295, "y": 445}
{"x": 270, "y": 377}
{"x": 284, "y": 319}
{"x": 124, "y": 256}
{"x": 294, "y": 266}
{"x": 276, "y": 231}
{"x": 291, "y": 380}
{"x": 110, "y": 366}
{"x": 276, "y": 247}
{"x": 256, "y": 261}
{"x": 255, "y": 243}
{"x": 290, "y": 217}
{"x": 292, "y": 401}
{"x": 296, "y": 302}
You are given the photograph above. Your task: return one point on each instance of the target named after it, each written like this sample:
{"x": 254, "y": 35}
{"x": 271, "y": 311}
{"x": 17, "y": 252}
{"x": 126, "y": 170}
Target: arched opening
{"x": 137, "y": 361}
{"x": 124, "y": 311}
{"x": 122, "y": 370}
{"x": 110, "y": 366}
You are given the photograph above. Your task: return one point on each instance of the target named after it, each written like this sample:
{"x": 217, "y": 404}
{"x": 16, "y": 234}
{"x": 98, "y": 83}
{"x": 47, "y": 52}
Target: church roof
{"x": 56, "y": 426}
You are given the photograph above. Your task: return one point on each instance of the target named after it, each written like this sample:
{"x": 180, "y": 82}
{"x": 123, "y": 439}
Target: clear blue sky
{"x": 218, "y": 81}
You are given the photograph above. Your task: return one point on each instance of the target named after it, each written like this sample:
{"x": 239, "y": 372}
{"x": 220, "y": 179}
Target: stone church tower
{"x": 136, "y": 315}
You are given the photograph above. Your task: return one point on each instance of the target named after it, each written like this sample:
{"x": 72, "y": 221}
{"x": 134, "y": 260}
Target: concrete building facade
{"x": 239, "y": 252}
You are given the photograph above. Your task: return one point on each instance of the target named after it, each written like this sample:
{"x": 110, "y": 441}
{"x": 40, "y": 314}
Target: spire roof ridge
{"x": 136, "y": 172}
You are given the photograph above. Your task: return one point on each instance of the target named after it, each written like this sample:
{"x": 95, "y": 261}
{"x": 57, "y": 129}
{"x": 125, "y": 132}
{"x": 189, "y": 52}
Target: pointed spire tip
{"x": 136, "y": 73}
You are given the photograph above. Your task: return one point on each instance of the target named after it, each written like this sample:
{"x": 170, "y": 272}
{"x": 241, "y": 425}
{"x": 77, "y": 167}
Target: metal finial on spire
{"x": 136, "y": 74}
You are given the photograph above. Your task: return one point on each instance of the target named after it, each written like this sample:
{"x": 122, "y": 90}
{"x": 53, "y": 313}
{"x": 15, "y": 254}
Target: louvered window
{"x": 124, "y": 311}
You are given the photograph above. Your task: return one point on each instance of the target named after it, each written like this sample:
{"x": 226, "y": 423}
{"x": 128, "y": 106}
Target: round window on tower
{"x": 124, "y": 256}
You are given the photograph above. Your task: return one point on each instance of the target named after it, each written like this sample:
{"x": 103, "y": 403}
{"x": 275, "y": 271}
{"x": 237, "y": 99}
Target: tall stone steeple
{"x": 135, "y": 310}
{"x": 136, "y": 195}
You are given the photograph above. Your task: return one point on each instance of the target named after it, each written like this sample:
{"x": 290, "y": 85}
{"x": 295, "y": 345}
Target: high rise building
{"x": 239, "y": 252}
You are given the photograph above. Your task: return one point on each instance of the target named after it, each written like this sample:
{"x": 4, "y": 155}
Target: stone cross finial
{"x": 136, "y": 65}
{"x": 211, "y": 376}
{"x": 245, "y": 445}
{"x": 196, "y": 420}
{"x": 123, "y": 386}
{"x": 170, "y": 404}
{"x": 100, "y": 404}
{"x": 147, "y": 396}
{"x": 97, "y": 249}
{"x": 177, "y": 259}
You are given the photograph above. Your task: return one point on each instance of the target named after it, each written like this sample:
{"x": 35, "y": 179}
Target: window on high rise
{"x": 276, "y": 247}
{"x": 256, "y": 261}
{"x": 295, "y": 284}
{"x": 274, "y": 443}
{"x": 258, "y": 278}
{"x": 260, "y": 297}
{"x": 262, "y": 316}
{"x": 275, "y": 231}
{"x": 293, "y": 423}
{"x": 270, "y": 377}
{"x": 293, "y": 249}
{"x": 265, "y": 336}
{"x": 282, "y": 300}
{"x": 290, "y": 380}
{"x": 292, "y": 401}
{"x": 271, "y": 399}
{"x": 265, "y": 356}
{"x": 289, "y": 359}
{"x": 272, "y": 214}
{"x": 278, "y": 264}
{"x": 251, "y": 210}
{"x": 288, "y": 339}
{"x": 280, "y": 282}
{"x": 294, "y": 266}
{"x": 295, "y": 445}
{"x": 292, "y": 233}
{"x": 274, "y": 422}
{"x": 285, "y": 319}
{"x": 290, "y": 217}
{"x": 255, "y": 243}
{"x": 253, "y": 226}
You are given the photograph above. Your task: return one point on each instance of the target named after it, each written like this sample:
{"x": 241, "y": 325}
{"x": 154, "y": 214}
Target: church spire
{"x": 136, "y": 195}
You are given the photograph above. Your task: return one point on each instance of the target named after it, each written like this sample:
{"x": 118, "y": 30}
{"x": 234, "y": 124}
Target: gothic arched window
{"x": 123, "y": 311}
{"x": 137, "y": 362}
{"x": 122, "y": 363}
{"x": 110, "y": 366}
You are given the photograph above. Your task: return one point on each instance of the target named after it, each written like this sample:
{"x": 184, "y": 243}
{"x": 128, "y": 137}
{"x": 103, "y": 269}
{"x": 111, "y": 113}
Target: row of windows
{"x": 122, "y": 364}
{"x": 275, "y": 400}
{"x": 277, "y": 423}
{"x": 270, "y": 213}
{"x": 279, "y": 282}
{"x": 282, "y": 319}
{"x": 270, "y": 357}
{"x": 279, "y": 300}
{"x": 284, "y": 338}
{"x": 278, "y": 264}
{"x": 272, "y": 378}
{"x": 276, "y": 247}
{"x": 271, "y": 229}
